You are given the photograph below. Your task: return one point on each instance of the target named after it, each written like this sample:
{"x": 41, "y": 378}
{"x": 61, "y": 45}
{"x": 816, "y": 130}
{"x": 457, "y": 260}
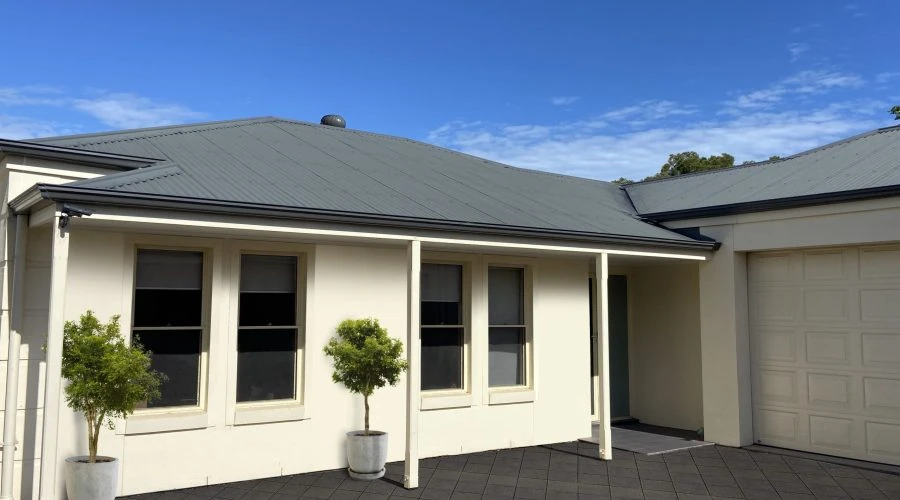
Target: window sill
{"x": 268, "y": 413}
{"x": 510, "y": 396}
{"x": 147, "y": 423}
{"x": 445, "y": 400}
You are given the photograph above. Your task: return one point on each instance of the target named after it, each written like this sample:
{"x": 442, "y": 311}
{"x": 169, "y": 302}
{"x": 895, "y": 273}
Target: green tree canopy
{"x": 896, "y": 112}
{"x": 107, "y": 379}
{"x": 365, "y": 358}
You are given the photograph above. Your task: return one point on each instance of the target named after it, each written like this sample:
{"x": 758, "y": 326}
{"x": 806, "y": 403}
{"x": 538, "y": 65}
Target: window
{"x": 168, "y": 320}
{"x": 267, "y": 328}
{"x": 506, "y": 326}
{"x": 443, "y": 333}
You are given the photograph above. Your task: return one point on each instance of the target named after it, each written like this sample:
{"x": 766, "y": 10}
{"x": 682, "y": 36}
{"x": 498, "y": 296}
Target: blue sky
{"x": 597, "y": 89}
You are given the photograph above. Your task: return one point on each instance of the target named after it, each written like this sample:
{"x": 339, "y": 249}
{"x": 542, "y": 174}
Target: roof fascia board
{"x": 80, "y": 156}
{"x": 139, "y": 200}
{"x": 26, "y": 200}
{"x": 245, "y": 225}
{"x": 777, "y": 204}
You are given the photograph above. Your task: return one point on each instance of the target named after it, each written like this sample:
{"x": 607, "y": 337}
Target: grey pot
{"x": 366, "y": 455}
{"x": 96, "y": 481}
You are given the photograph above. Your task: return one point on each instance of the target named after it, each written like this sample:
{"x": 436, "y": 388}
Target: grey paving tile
{"x": 499, "y": 491}
{"x": 318, "y": 492}
{"x": 653, "y": 485}
{"x": 461, "y": 495}
{"x": 345, "y": 495}
{"x": 693, "y": 488}
{"x": 502, "y": 480}
{"x": 530, "y": 493}
{"x": 562, "y": 486}
{"x": 620, "y": 492}
{"x": 433, "y": 494}
{"x": 660, "y": 495}
{"x": 725, "y": 491}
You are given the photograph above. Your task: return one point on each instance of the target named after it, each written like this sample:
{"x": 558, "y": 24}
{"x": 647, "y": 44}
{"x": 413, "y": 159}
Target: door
{"x": 618, "y": 349}
{"x": 825, "y": 350}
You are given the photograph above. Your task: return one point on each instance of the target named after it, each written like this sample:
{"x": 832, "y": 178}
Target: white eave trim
{"x": 397, "y": 237}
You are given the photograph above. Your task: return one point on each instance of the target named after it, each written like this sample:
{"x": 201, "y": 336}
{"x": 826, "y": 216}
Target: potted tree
{"x": 365, "y": 359}
{"x": 107, "y": 380}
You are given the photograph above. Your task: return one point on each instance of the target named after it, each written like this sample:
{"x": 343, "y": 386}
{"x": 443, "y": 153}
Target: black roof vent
{"x": 334, "y": 121}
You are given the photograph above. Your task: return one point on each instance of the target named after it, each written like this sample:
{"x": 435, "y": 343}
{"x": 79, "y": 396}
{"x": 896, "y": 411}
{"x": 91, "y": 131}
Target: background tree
{"x": 896, "y": 112}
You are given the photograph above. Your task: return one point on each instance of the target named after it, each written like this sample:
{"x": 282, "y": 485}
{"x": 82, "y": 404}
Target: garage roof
{"x": 862, "y": 166}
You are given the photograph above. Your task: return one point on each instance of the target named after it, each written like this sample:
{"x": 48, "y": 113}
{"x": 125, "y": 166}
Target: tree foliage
{"x": 365, "y": 358}
{"x": 688, "y": 162}
{"x": 896, "y": 112}
{"x": 107, "y": 379}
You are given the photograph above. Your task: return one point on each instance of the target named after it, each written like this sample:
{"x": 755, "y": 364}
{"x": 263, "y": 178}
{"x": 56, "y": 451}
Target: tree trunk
{"x": 92, "y": 441}
{"x": 366, "y": 401}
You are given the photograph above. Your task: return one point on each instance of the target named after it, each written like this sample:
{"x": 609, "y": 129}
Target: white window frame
{"x": 280, "y": 410}
{"x": 436, "y": 399}
{"x": 175, "y": 418}
{"x": 525, "y": 392}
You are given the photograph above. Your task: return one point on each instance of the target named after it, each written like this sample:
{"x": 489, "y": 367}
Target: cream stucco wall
{"x": 665, "y": 365}
{"x": 342, "y": 281}
{"x": 17, "y": 174}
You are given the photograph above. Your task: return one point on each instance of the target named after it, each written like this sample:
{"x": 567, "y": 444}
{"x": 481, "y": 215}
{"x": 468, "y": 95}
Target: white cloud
{"x": 800, "y": 84}
{"x": 31, "y": 95}
{"x": 805, "y": 27}
{"x": 886, "y": 76}
{"x": 18, "y": 127}
{"x": 797, "y": 50}
{"x": 564, "y": 100}
{"x": 646, "y": 112}
{"x": 854, "y": 9}
{"x": 118, "y": 110}
{"x": 608, "y": 153}
{"x": 124, "y": 110}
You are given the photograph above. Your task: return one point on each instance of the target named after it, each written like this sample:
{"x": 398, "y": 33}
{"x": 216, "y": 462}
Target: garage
{"x": 825, "y": 350}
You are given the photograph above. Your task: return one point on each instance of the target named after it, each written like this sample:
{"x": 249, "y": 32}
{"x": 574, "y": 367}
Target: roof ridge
{"x": 197, "y": 127}
{"x": 816, "y": 149}
{"x": 493, "y": 163}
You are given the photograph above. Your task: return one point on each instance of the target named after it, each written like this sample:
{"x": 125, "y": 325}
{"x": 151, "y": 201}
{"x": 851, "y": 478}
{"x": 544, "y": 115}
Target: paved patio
{"x": 572, "y": 471}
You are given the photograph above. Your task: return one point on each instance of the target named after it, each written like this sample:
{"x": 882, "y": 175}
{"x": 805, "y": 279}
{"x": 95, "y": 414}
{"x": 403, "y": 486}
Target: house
{"x": 759, "y": 303}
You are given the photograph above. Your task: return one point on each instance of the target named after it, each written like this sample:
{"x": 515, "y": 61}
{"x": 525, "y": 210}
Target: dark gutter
{"x": 81, "y": 156}
{"x": 141, "y": 200}
{"x": 779, "y": 204}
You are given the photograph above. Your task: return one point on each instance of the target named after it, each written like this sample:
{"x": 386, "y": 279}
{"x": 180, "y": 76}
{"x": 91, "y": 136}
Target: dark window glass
{"x": 441, "y": 313}
{"x": 506, "y": 361}
{"x": 175, "y": 354}
{"x": 267, "y": 353}
{"x": 442, "y": 350}
{"x": 168, "y": 299}
{"x": 161, "y": 308}
{"x": 266, "y": 364}
{"x": 268, "y": 309}
{"x": 506, "y": 306}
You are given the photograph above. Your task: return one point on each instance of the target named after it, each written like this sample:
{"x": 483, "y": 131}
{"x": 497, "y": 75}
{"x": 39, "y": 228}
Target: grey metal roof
{"x": 271, "y": 162}
{"x": 867, "y": 164}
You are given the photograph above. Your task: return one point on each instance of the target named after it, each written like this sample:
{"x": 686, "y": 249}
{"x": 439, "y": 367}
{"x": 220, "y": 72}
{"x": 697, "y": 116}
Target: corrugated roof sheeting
{"x": 868, "y": 161}
{"x": 301, "y": 165}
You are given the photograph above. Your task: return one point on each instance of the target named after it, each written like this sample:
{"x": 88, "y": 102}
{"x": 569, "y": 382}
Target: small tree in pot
{"x": 107, "y": 380}
{"x": 365, "y": 359}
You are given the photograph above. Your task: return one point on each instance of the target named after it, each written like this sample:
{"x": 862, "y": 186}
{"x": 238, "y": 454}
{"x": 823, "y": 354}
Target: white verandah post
{"x": 59, "y": 263}
{"x": 413, "y": 346}
{"x": 601, "y": 292}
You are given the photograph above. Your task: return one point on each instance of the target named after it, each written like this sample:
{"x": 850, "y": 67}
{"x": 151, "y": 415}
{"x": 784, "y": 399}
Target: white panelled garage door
{"x": 825, "y": 350}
